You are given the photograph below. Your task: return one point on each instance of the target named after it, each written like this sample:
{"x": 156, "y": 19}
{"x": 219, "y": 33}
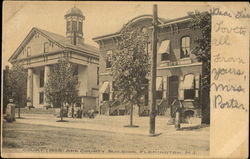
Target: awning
{"x": 188, "y": 82}
{"x": 164, "y": 47}
{"x": 105, "y": 87}
{"x": 159, "y": 86}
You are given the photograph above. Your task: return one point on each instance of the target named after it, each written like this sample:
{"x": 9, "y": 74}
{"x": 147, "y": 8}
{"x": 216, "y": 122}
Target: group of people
{"x": 78, "y": 112}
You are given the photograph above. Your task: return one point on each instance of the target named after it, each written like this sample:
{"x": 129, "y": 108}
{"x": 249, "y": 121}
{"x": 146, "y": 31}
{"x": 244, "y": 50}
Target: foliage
{"x": 16, "y": 82}
{"x": 62, "y": 85}
{"x": 130, "y": 66}
{"x": 202, "y": 49}
{"x": 6, "y": 88}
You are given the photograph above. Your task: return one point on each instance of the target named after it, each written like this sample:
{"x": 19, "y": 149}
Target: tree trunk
{"x": 61, "y": 113}
{"x": 205, "y": 98}
{"x": 205, "y": 107}
{"x": 131, "y": 115}
{"x": 19, "y": 111}
{"x": 177, "y": 120}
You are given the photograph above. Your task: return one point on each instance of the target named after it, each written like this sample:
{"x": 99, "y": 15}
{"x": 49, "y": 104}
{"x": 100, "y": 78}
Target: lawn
{"x": 20, "y": 137}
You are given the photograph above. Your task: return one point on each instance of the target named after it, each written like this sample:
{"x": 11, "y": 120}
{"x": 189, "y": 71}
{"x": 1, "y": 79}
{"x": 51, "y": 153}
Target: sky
{"x": 101, "y": 18}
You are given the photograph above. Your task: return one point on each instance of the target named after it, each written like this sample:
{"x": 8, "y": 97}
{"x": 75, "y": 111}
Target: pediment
{"x": 35, "y": 44}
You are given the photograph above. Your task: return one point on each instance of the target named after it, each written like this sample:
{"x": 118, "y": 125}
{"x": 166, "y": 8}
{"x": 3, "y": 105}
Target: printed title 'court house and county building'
{"x": 41, "y": 49}
{"x": 178, "y": 70}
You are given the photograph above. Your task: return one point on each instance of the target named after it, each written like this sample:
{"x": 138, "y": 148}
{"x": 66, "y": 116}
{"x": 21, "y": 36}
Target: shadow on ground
{"x": 196, "y": 127}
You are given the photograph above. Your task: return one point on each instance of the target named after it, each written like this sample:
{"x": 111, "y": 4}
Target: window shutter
{"x": 181, "y": 90}
{"x": 197, "y": 85}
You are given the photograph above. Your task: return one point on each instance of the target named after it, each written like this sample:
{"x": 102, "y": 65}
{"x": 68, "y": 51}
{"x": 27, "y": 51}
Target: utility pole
{"x": 153, "y": 72}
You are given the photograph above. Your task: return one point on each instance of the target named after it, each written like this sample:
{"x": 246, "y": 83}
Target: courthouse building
{"x": 41, "y": 49}
{"x": 178, "y": 70}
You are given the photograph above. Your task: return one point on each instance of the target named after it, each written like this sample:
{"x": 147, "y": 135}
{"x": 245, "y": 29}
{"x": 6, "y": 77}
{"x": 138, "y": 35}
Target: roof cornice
{"x": 162, "y": 24}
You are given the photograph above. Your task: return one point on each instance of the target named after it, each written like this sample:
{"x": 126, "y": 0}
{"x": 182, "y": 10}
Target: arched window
{"x": 185, "y": 46}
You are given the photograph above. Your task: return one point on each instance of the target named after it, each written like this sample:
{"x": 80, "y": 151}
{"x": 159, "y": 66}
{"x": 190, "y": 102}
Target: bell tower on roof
{"x": 74, "y": 25}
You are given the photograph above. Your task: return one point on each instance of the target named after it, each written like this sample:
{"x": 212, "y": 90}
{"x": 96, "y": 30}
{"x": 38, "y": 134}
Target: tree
{"x": 6, "y": 88}
{"x": 130, "y": 67}
{"x": 16, "y": 81}
{"x": 62, "y": 85}
{"x": 202, "y": 49}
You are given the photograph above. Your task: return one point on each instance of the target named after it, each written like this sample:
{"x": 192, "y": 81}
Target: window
{"x": 109, "y": 59}
{"x": 164, "y": 50}
{"x": 80, "y": 27}
{"x": 28, "y": 51}
{"x": 97, "y": 72}
{"x": 185, "y": 47}
{"x": 188, "y": 86}
{"x": 41, "y": 78}
{"x": 159, "y": 94}
{"x": 46, "y": 47}
{"x": 74, "y": 26}
{"x": 68, "y": 26}
{"x": 164, "y": 56}
{"x": 41, "y": 98}
{"x": 105, "y": 96}
{"x": 189, "y": 93}
{"x": 75, "y": 70}
{"x": 159, "y": 87}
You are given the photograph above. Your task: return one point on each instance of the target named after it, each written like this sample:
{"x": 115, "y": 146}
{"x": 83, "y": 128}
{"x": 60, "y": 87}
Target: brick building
{"x": 178, "y": 70}
{"x": 41, "y": 49}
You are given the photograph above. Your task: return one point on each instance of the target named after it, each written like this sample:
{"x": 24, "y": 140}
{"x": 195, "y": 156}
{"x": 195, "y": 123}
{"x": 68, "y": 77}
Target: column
{"x": 46, "y": 78}
{"x": 181, "y": 90}
{"x": 100, "y": 102}
{"x": 165, "y": 87}
{"x": 111, "y": 91}
{"x": 30, "y": 85}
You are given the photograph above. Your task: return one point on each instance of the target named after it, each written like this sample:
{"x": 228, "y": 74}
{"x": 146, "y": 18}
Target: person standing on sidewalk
{"x": 10, "y": 111}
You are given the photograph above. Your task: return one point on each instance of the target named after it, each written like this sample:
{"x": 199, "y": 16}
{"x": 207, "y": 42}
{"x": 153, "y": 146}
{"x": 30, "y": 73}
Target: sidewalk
{"x": 114, "y": 124}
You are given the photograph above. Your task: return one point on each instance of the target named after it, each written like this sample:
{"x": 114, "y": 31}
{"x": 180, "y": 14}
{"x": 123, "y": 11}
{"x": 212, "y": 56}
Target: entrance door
{"x": 173, "y": 91}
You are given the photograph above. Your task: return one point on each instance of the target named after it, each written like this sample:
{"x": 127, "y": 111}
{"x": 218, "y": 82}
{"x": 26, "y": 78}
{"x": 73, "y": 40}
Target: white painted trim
{"x": 175, "y": 66}
{"x": 105, "y": 73}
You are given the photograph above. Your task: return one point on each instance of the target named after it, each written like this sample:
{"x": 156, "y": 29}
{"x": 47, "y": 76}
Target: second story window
{"x": 46, "y": 47}
{"x": 185, "y": 46}
{"x": 164, "y": 50}
{"x": 28, "y": 51}
{"x": 109, "y": 59}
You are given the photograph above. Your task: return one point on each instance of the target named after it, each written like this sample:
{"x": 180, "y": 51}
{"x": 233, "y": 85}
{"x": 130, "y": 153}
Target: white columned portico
{"x": 46, "y": 78}
{"x": 30, "y": 85}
